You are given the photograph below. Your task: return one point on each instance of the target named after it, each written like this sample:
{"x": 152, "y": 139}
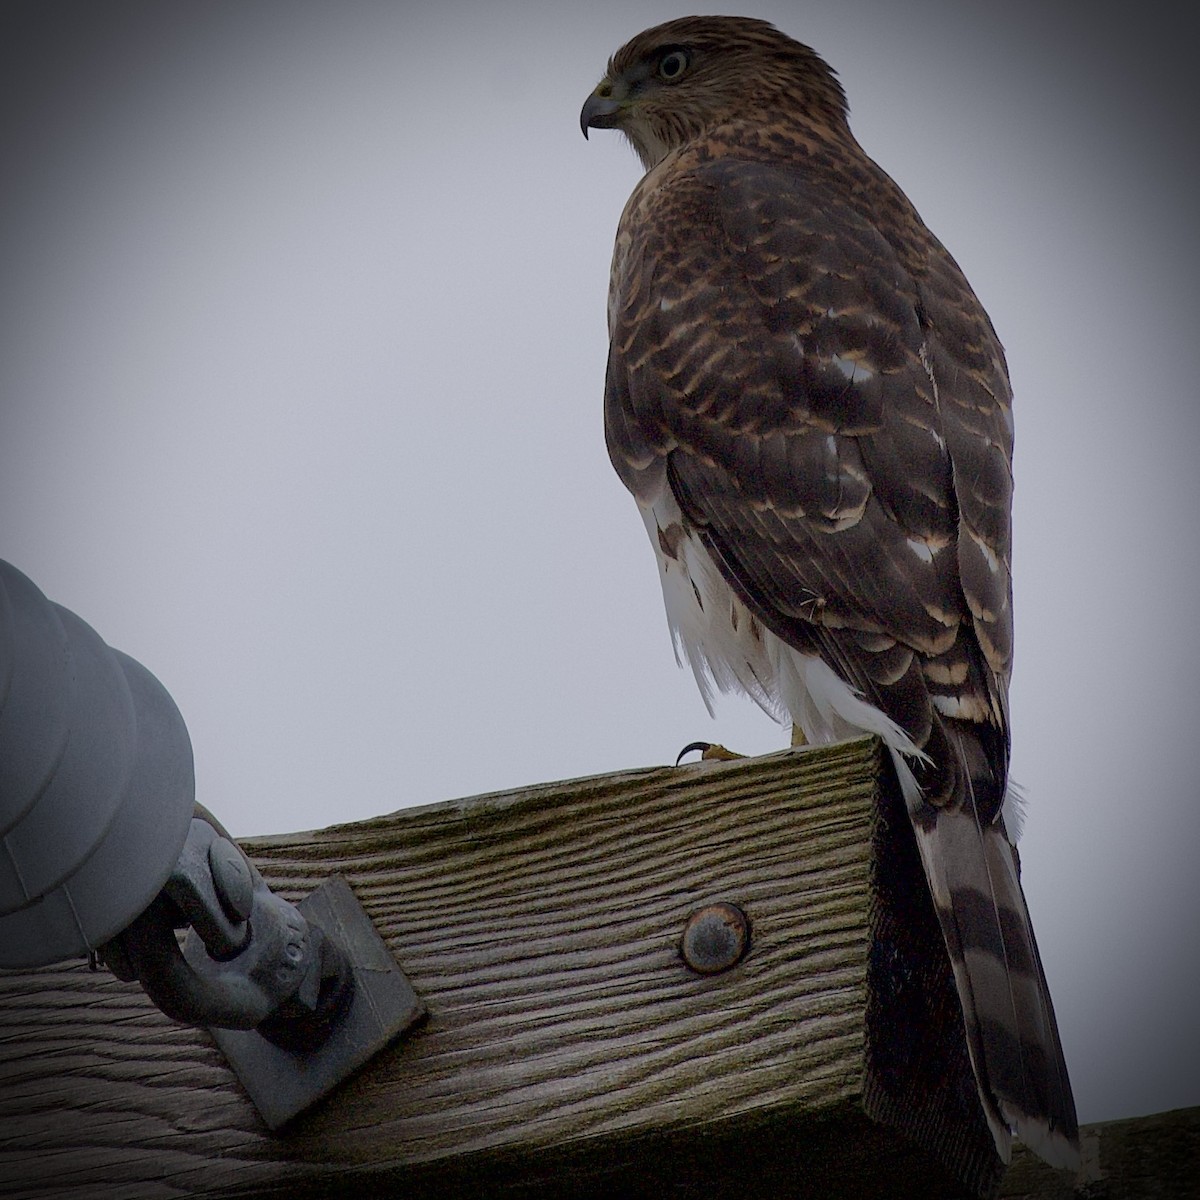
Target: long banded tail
{"x": 1011, "y": 1033}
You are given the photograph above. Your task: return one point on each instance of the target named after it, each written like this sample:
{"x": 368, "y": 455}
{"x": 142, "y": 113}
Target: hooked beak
{"x": 600, "y": 111}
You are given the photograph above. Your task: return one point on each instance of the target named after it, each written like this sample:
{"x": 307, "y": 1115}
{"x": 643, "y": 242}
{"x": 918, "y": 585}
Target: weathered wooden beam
{"x": 1143, "y": 1158}
{"x": 569, "y": 1050}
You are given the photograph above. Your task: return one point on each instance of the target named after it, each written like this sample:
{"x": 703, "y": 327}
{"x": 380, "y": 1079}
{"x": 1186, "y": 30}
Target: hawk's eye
{"x": 673, "y": 65}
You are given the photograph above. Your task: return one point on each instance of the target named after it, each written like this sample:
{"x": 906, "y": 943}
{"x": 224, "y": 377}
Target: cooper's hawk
{"x": 812, "y": 411}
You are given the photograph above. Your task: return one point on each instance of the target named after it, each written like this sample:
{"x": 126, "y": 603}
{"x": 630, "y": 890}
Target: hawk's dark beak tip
{"x": 599, "y": 112}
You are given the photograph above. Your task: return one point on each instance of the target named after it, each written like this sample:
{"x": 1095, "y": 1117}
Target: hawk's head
{"x": 678, "y": 80}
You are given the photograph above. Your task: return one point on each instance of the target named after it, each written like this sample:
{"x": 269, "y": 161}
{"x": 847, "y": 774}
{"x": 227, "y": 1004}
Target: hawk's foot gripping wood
{"x": 709, "y": 752}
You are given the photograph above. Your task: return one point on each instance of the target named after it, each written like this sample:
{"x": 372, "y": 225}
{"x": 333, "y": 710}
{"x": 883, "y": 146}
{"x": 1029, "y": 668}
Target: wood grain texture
{"x": 542, "y": 929}
{"x": 569, "y": 1052}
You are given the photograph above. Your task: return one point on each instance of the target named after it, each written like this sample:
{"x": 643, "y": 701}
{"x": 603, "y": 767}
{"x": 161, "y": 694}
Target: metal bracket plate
{"x": 283, "y": 1084}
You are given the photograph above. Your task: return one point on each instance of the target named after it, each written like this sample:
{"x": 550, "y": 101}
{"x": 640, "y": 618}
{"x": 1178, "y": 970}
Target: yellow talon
{"x": 709, "y": 752}
{"x": 718, "y": 753}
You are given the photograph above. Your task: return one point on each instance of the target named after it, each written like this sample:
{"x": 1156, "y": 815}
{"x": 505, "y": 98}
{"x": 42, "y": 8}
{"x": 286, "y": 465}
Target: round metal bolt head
{"x": 231, "y": 878}
{"x": 715, "y": 938}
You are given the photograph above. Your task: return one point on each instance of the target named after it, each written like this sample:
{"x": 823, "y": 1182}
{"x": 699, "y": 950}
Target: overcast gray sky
{"x": 301, "y": 358}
